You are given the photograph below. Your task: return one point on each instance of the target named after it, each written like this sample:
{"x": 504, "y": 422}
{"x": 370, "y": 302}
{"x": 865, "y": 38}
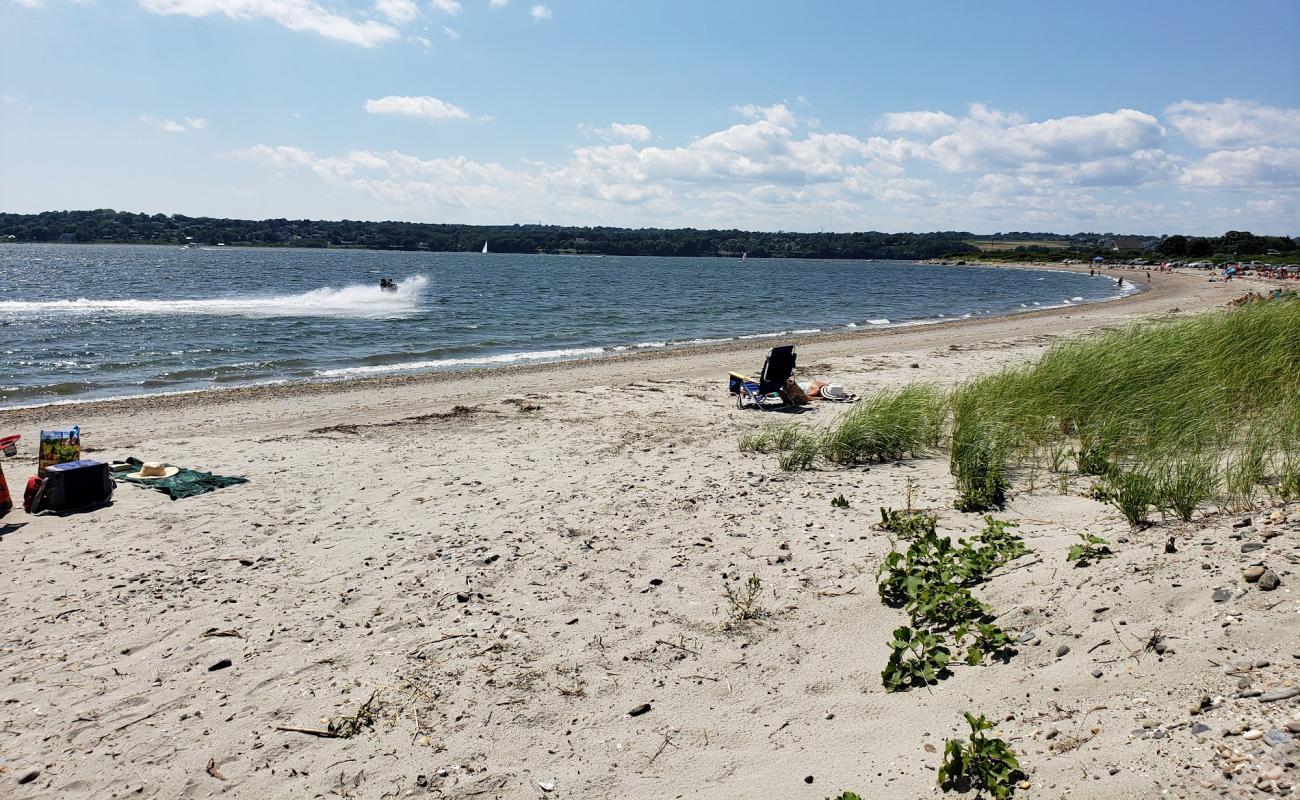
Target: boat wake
{"x": 365, "y": 301}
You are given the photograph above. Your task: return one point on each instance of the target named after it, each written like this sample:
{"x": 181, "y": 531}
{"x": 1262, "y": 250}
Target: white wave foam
{"x": 349, "y": 301}
{"x": 881, "y": 321}
{"x": 442, "y": 363}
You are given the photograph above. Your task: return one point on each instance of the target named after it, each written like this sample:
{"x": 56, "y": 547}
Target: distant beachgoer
{"x": 1121, "y": 280}
{"x": 1092, "y": 272}
{"x": 1148, "y": 276}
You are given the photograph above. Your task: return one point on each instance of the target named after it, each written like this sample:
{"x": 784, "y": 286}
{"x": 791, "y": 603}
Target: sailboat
{"x": 485, "y": 247}
{"x": 744, "y": 256}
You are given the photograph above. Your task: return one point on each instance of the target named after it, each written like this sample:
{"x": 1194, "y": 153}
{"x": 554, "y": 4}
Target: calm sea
{"x": 80, "y": 322}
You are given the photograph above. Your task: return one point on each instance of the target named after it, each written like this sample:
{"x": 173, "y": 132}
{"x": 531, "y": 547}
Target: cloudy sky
{"x": 1151, "y": 117}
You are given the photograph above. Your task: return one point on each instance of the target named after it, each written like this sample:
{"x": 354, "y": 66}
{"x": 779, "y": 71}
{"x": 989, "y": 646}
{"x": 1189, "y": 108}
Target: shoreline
{"x": 298, "y": 387}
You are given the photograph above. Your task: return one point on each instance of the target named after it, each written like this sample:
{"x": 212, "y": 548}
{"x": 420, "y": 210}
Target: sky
{"x": 1152, "y": 117}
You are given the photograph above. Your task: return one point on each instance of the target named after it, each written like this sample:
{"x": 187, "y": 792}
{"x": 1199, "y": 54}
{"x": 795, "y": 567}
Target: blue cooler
{"x": 76, "y": 485}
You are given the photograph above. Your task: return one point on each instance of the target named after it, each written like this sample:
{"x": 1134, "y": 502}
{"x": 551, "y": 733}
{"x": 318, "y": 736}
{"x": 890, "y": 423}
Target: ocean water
{"x": 85, "y": 321}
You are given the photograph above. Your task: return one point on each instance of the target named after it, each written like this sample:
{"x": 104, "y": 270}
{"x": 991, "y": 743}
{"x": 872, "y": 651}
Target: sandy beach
{"x": 500, "y": 571}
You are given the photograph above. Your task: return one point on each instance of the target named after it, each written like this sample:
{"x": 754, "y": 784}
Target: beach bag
{"x": 59, "y": 447}
{"x": 76, "y": 485}
{"x": 32, "y": 496}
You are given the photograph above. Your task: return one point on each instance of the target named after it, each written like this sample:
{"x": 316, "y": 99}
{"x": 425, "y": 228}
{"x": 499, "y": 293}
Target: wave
{"x": 478, "y": 361}
{"x": 356, "y": 300}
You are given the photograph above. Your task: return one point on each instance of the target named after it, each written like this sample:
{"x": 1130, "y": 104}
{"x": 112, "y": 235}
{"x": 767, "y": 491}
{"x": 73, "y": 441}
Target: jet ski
{"x": 387, "y": 285}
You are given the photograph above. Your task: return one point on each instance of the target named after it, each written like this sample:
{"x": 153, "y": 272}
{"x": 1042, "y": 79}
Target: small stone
{"x": 1250, "y": 547}
{"x": 639, "y": 710}
{"x": 1274, "y": 774}
{"x": 222, "y": 664}
{"x": 1160, "y": 647}
{"x": 1026, "y": 636}
{"x": 1200, "y": 728}
{"x": 29, "y": 776}
{"x": 1096, "y": 673}
{"x": 808, "y": 779}
{"x": 1062, "y": 650}
{"x": 1169, "y": 546}
{"x": 656, "y": 581}
{"x": 1052, "y": 734}
{"x": 1244, "y": 682}
{"x": 1252, "y": 734}
{"x": 546, "y": 787}
{"x": 462, "y": 597}
{"x": 1269, "y": 580}
{"x": 1222, "y": 595}
{"x": 1159, "y": 734}
{"x": 1244, "y": 522}
{"x": 1252, "y": 574}
{"x": 1293, "y": 726}
{"x": 1279, "y": 694}
{"x": 1113, "y": 771}
{"x": 1276, "y": 738}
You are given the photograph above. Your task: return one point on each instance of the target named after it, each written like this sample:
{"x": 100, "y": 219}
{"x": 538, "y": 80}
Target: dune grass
{"x": 1169, "y": 415}
{"x": 889, "y": 425}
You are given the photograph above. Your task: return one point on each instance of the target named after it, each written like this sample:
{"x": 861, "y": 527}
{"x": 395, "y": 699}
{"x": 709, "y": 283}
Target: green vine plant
{"x": 1092, "y": 548}
{"x": 916, "y": 658}
{"x": 839, "y": 502}
{"x": 983, "y": 764}
{"x": 931, "y": 580}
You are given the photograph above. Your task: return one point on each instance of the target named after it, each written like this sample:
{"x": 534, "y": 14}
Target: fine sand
{"x": 500, "y": 566}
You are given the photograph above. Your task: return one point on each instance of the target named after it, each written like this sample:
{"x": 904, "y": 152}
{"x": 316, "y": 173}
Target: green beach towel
{"x": 186, "y": 483}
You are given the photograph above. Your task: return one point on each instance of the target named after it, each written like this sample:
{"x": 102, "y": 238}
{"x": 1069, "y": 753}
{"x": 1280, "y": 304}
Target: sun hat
{"x": 833, "y": 391}
{"x": 153, "y": 470}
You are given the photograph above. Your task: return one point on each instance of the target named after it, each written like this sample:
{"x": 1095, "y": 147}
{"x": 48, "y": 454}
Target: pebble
{"x": 1253, "y": 574}
{"x": 1244, "y": 522}
{"x": 546, "y": 787}
{"x": 1252, "y": 734}
{"x": 1276, "y": 738}
{"x": 1096, "y": 673}
{"x": 1200, "y": 728}
{"x": 222, "y": 664}
{"x": 1222, "y": 595}
{"x": 1026, "y": 636}
{"x": 1274, "y": 774}
{"x": 1293, "y": 726}
{"x": 1269, "y": 580}
{"x": 1062, "y": 650}
{"x": 808, "y": 779}
{"x": 1250, "y": 547}
{"x": 29, "y": 776}
{"x": 639, "y": 710}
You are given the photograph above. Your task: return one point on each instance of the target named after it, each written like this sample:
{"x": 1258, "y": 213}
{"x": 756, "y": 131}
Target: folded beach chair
{"x": 777, "y": 369}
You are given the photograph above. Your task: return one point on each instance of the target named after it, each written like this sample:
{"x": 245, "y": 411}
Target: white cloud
{"x": 1123, "y": 147}
{"x": 776, "y": 114}
{"x": 450, "y": 7}
{"x": 497, "y": 3}
{"x": 296, "y": 15}
{"x": 451, "y": 33}
{"x": 1245, "y": 169}
{"x": 30, "y": 3}
{"x": 430, "y": 108}
{"x": 620, "y": 131}
{"x": 172, "y": 126}
{"x": 540, "y": 12}
{"x": 924, "y": 123}
{"x": 399, "y": 11}
{"x": 1104, "y": 171}
{"x": 1235, "y": 124}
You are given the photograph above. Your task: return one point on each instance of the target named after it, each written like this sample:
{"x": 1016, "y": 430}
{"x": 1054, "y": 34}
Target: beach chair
{"x": 777, "y": 369}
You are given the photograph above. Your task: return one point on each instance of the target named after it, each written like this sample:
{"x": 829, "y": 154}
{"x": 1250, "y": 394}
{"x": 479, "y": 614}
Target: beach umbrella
{"x": 1097, "y": 259}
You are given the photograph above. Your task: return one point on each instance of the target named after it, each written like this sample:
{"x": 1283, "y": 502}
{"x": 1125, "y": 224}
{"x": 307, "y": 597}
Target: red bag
{"x": 34, "y": 495}
{"x": 6, "y": 502}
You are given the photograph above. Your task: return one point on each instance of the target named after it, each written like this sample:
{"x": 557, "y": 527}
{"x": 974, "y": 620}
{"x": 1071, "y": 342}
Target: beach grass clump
{"x": 1133, "y": 491}
{"x": 890, "y": 425}
{"x": 1185, "y": 483}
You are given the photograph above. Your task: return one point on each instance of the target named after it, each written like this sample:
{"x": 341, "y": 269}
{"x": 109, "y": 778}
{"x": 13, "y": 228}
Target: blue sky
{"x": 1150, "y": 117}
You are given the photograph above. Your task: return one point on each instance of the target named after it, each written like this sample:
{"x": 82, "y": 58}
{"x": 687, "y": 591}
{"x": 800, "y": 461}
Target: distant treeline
{"x": 109, "y": 226}
{"x": 122, "y": 227}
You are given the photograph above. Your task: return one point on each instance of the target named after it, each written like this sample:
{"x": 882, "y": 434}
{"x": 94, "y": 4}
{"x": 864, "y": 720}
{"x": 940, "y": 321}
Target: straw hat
{"x": 833, "y": 391}
{"x": 153, "y": 470}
